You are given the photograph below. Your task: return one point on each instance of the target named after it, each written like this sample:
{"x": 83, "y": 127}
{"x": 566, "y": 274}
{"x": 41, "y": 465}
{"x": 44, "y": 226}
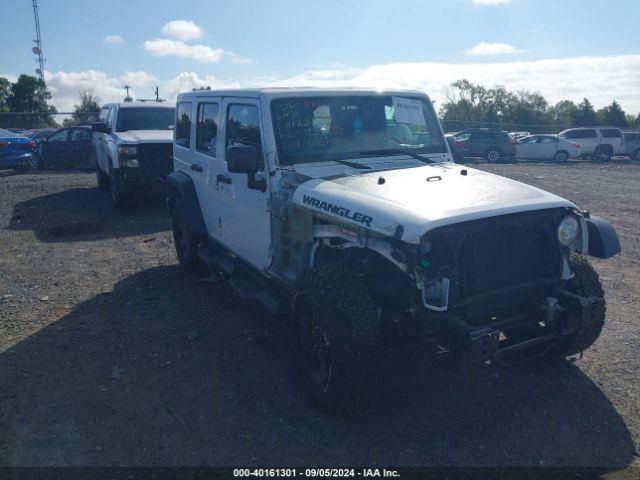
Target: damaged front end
{"x": 495, "y": 286}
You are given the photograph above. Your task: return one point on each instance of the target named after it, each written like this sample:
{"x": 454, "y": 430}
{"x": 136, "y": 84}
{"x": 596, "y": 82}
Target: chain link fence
{"x": 37, "y": 142}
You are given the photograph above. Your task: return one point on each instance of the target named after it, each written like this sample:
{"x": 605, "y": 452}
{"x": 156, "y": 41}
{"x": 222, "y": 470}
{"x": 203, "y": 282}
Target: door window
{"x": 80, "y": 135}
{"x": 60, "y": 136}
{"x": 109, "y": 120}
{"x": 207, "y": 128}
{"x": 243, "y": 126}
{"x": 183, "y": 124}
{"x": 529, "y": 140}
{"x": 548, "y": 140}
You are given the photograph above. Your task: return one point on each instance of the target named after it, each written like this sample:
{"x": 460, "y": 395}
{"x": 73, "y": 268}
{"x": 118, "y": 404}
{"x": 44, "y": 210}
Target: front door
{"x": 55, "y": 150}
{"x": 244, "y": 220}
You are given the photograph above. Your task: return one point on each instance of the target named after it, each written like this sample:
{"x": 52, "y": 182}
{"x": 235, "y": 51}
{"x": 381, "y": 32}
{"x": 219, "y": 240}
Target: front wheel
{"x": 337, "y": 334}
{"x": 493, "y": 155}
{"x": 119, "y": 193}
{"x": 185, "y": 240}
{"x": 561, "y": 157}
{"x": 102, "y": 179}
{"x": 585, "y": 283}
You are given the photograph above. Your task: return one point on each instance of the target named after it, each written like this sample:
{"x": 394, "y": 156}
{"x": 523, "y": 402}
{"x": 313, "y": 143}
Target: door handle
{"x": 223, "y": 179}
{"x": 196, "y": 168}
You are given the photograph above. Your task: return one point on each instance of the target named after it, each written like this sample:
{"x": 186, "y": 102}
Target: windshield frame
{"x": 171, "y": 109}
{"x": 286, "y": 160}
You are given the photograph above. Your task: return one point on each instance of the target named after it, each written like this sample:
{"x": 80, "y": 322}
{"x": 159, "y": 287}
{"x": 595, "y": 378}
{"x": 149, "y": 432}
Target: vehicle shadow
{"x": 166, "y": 370}
{"x": 86, "y": 214}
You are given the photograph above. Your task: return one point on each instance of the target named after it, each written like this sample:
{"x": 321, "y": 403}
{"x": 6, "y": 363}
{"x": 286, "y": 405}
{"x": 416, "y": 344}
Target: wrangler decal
{"x": 337, "y": 210}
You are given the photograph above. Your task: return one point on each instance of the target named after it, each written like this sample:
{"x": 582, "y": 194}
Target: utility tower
{"x": 37, "y": 49}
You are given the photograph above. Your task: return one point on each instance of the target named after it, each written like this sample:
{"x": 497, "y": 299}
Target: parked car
{"x": 632, "y": 144}
{"x": 517, "y": 135}
{"x": 133, "y": 148}
{"x": 38, "y": 134}
{"x": 492, "y": 145}
{"x": 311, "y": 205}
{"x": 65, "y": 147}
{"x": 16, "y": 151}
{"x": 547, "y": 147}
{"x": 599, "y": 142}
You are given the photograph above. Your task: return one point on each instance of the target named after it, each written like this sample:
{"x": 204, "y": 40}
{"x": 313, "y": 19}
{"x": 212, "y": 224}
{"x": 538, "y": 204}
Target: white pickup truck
{"x": 133, "y": 148}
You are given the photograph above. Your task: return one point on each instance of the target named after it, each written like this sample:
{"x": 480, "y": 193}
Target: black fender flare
{"x": 180, "y": 185}
{"x": 603, "y": 239}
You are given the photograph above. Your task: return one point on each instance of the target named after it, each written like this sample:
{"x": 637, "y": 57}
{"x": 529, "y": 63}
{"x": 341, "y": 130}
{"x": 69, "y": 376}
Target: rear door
{"x": 547, "y": 147}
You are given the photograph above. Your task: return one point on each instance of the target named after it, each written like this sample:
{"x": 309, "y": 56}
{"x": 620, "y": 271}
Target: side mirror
{"x": 100, "y": 127}
{"x": 243, "y": 159}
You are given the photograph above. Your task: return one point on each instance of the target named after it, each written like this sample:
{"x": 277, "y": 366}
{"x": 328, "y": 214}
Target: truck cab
{"x": 132, "y": 144}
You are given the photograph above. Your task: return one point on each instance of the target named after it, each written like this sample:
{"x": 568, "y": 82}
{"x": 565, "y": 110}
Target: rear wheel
{"x": 493, "y": 155}
{"x": 561, "y": 156}
{"x": 185, "y": 240}
{"x": 337, "y": 334}
{"x": 603, "y": 153}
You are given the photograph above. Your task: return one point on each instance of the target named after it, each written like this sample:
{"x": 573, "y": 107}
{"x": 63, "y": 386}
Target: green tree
{"x": 615, "y": 116}
{"x": 89, "y": 107}
{"x": 5, "y": 91}
{"x": 563, "y": 113}
{"x": 27, "y": 97}
{"x": 585, "y": 115}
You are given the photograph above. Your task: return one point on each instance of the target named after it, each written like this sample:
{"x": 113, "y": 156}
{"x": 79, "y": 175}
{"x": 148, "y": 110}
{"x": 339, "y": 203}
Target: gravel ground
{"x": 110, "y": 356}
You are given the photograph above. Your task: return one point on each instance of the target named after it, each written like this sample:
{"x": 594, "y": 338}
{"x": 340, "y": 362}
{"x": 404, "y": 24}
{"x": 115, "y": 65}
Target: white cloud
{"x": 490, "y": 2}
{"x": 187, "y": 81}
{"x": 601, "y": 79}
{"x": 64, "y": 86}
{"x": 163, "y": 47}
{"x": 113, "y": 40}
{"x": 485, "y": 48}
{"x": 184, "y": 30}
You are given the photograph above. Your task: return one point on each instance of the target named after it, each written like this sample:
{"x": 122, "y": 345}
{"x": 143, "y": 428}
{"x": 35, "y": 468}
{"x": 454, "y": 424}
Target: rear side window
{"x": 183, "y": 124}
{"x": 631, "y": 137}
{"x": 611, "y": 133}
{"x": 207, "y": 128}
{"x": 587, "y": 134}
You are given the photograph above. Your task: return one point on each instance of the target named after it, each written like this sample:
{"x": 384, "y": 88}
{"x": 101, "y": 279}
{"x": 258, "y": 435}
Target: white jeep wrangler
{"x": 132, "y": 144}
{"x": 344, "y": 208}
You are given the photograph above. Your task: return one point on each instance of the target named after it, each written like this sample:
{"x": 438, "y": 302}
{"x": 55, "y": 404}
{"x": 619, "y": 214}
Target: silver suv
{"x": 600, "y": 143}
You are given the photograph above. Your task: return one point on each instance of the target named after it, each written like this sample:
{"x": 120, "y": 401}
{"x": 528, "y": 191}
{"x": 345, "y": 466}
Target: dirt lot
{"x": 110, "y": 356}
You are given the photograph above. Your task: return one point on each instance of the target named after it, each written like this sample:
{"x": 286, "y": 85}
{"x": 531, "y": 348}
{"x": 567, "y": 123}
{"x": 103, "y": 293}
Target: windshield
{"x": 314, "y": 129}
{"x": 145, "y": 119}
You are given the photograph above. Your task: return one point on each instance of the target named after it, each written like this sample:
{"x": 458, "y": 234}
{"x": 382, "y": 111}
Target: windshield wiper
{"x": 353, "y": 165}
{"x": 392, "y": 151}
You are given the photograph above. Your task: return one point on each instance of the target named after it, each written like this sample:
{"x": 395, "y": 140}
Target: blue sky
{"x": 564, "y": 48}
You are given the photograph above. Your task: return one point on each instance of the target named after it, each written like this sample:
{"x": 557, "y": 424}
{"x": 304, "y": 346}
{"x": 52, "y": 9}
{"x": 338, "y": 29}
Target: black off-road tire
{"x": 587, "y": 284}
{"x": 333, "y": 306}
{"x": 120, "y": 196}
{"x": 186, "y": 242}
{"x": 603, "y": 153}
{"x": 102, "y": 179}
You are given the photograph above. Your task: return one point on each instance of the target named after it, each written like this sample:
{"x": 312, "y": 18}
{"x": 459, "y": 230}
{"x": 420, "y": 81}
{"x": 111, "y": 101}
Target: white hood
{"x": 146, "y": 136}
{"x": 411, "y": 201}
